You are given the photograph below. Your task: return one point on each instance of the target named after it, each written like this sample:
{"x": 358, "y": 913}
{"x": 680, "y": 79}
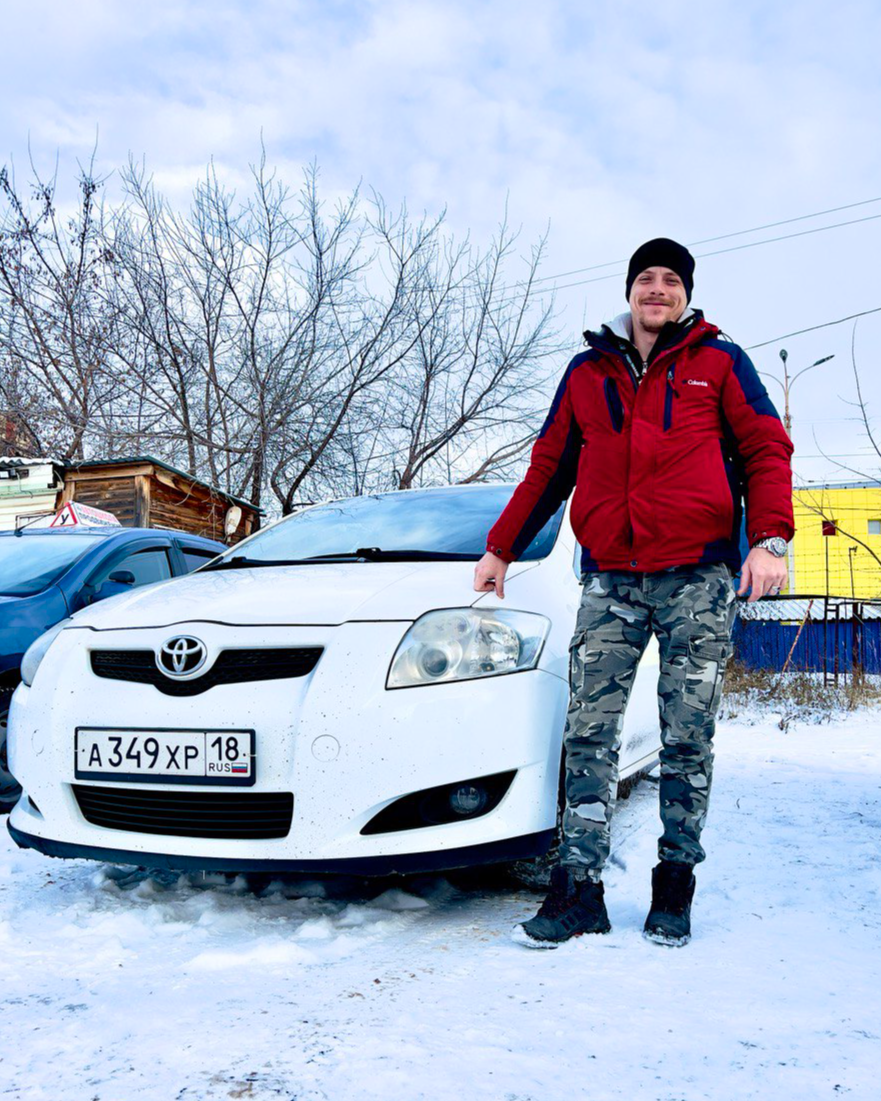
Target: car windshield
{"x": 29, "y": 563}
{"x": 436, "y": 524}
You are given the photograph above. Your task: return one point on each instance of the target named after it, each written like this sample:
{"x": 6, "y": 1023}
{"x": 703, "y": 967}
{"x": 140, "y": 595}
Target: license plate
{"x": 165, "y": 756}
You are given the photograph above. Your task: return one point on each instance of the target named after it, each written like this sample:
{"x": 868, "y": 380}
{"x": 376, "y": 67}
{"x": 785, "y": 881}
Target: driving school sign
{"x": 74, "y": 513}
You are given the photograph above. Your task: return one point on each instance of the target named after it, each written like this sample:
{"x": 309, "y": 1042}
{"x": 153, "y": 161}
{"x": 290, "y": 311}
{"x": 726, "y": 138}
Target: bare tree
{"x": 56, "y": 335}
{"x": 809, "y": 497}
{"x": 470, "y": 403}
{"x": 281, "y": 348}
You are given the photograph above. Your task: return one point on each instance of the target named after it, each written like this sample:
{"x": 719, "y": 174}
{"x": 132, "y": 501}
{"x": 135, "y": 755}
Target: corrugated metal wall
{"x": 833, "y": 647}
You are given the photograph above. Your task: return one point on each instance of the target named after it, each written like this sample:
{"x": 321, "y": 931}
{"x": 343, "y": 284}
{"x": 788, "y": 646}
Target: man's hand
{"x": 764, "y": 571}
{"x": 489, "y": 574}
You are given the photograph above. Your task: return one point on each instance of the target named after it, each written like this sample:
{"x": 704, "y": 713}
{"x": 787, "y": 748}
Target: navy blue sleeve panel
{"x": 763, "y": 445}
{"x": 553, "y": 467}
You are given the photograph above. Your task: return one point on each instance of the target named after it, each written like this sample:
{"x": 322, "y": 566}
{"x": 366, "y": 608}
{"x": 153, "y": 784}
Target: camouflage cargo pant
{"x": 691, "y": 612}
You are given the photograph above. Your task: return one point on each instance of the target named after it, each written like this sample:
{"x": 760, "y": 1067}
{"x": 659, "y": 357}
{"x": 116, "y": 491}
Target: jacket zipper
{"x": 670, "y": 393}
{"x": 613, "y": 402}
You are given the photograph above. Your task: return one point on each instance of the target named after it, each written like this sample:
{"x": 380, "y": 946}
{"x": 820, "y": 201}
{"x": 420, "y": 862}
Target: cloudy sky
{"x": 611, "y": 121}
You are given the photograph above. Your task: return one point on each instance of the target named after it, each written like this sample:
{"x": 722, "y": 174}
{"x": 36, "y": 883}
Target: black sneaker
{"x": 573, "y": 906}
{"x": 669, "y": 919}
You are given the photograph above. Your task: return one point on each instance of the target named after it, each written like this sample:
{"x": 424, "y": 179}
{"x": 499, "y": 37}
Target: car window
{"x": 30, "y": 563}
{"x": 147, "y": 566}
{"x": 452, "y": 521}
{"x": 194, "y": 557}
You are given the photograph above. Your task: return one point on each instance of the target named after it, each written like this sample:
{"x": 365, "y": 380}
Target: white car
{"x": 330, "y": 695}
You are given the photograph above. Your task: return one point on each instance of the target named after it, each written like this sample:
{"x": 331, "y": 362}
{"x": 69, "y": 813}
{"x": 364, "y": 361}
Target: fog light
{"x": 468, "y": 799}
{"x": 454, "y": 802}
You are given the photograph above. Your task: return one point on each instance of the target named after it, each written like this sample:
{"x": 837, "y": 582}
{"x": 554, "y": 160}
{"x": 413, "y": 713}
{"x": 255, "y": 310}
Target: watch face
{"x": 777, "y": 546}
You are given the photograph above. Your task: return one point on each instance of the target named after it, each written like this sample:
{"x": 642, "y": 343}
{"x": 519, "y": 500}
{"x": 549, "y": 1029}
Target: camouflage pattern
{"x": 691, "y": 611}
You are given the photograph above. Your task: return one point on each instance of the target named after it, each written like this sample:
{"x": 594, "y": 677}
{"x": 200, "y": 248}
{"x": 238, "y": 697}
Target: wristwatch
{"x": 776, "y": 544}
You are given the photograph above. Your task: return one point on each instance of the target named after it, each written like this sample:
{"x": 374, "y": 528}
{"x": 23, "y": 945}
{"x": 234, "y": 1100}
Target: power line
{"x": 812, "y": 328}
{"x": 720, "y": 237}
{"x": 715, "y": 252}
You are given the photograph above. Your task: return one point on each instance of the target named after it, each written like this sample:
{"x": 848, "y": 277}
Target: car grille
{"x": 245, "y": 816}
{"x": 231, "y": 667}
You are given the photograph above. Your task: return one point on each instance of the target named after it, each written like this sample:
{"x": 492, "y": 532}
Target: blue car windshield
{"x": 436, "y": 522}
{"x": 30, "y": 563}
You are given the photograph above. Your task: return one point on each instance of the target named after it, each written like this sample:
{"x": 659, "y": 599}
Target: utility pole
{"x": 851, "y": 554}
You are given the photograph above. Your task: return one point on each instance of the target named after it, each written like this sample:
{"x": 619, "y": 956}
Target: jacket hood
{"x": 327, "y": 594}
{"x": 690, "y": 325}
{"x": 622, "y": 325}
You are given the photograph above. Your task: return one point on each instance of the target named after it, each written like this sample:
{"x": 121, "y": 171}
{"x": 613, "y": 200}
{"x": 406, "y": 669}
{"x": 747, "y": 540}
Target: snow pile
{"x": 119, "y": 985}
{"x": 759, "y": 698}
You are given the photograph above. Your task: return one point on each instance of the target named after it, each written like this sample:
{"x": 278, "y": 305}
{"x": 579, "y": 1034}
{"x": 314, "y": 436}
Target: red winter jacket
{"x": 659, "y": 466}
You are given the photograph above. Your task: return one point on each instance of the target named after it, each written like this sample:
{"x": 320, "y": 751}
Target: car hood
{"x": 329, "y": 594}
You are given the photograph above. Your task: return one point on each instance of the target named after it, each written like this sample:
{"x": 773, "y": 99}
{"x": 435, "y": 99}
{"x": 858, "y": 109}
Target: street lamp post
{"x": 786, "y": 386}
{"x": 788, "y": 381}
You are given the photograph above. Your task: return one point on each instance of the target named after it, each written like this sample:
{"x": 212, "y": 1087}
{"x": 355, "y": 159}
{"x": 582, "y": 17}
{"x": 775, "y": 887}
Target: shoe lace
{"x": 563, "y": 894}
{"x": 555, "y": 903}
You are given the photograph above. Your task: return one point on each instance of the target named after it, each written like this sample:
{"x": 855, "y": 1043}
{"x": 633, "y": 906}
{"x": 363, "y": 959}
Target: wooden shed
{"x": 145, "y": 492}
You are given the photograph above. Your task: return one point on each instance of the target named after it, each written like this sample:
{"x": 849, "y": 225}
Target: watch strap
{"x": 776, "y": 544}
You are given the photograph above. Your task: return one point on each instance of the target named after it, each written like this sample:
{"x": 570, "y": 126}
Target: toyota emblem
{"x": 181, "y": 656}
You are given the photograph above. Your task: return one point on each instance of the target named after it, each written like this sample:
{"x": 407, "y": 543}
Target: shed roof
{"x": 131, "y": 459}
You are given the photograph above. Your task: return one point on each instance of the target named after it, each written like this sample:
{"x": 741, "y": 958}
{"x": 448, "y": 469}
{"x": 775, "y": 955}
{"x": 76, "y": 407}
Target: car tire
{"x": 535, "y": 874}
{"x": 10, "y": 789}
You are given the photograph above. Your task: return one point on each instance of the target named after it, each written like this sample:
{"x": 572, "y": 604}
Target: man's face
{"x": 657, "y": 296}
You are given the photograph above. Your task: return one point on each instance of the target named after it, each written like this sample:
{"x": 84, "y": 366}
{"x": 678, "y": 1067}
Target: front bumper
{"x": 494, "y": 852}
{"x": 337, "y": 739}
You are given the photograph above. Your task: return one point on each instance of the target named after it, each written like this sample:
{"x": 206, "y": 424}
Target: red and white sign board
{"x": 75, "y": 513}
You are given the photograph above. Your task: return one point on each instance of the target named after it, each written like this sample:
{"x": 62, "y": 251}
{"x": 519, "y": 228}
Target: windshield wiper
{"x": 363, "y": 554}
{"x": 377, "y": 554}
{"x": 240, "y": 562}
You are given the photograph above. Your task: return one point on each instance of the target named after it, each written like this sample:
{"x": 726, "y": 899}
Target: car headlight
{"x": 465, "y": 643}
{"x": 38, "y": 649}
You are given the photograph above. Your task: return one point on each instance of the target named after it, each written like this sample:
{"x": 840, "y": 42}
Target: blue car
{"x": 47, "y": 574}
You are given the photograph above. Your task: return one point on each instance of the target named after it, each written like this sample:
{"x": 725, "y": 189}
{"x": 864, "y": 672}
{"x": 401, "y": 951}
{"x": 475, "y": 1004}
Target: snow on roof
{"x": 15, "y": 460}
{"x": 836, "y": 485}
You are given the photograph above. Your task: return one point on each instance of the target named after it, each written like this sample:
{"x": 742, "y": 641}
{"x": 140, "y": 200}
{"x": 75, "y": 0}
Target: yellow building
{"x": 837, "y": 544}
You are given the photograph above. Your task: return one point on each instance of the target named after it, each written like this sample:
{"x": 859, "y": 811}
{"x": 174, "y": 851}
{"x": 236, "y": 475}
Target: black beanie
{"x": 662, "y": 253}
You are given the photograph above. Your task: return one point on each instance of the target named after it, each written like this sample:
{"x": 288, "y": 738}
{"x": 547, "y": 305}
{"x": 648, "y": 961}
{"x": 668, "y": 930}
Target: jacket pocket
{"x": 705, "y": 671}
{"x": 576, "y": 658}
{"x": 613, "y": 401}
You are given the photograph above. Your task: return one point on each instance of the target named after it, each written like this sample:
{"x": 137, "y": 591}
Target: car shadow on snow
{"x": 393, "y": 892}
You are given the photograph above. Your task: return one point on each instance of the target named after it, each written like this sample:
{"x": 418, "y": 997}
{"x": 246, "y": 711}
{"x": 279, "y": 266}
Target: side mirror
{"x": 120, "y": 581}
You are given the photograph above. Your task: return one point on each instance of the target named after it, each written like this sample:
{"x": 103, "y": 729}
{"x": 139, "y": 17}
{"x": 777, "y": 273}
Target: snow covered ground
{"x": 119, "y": 985}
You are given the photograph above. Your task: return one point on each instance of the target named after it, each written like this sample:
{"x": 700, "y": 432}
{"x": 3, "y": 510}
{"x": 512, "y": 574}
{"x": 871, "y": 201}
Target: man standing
{"x": 661, "y": 426}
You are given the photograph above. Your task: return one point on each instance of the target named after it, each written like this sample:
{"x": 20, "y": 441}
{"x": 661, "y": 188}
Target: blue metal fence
{"x": 834, "y": 637}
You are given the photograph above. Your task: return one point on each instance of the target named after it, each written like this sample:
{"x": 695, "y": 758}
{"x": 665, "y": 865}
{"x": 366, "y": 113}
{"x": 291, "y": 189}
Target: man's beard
{"x": 654, "y": 326}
